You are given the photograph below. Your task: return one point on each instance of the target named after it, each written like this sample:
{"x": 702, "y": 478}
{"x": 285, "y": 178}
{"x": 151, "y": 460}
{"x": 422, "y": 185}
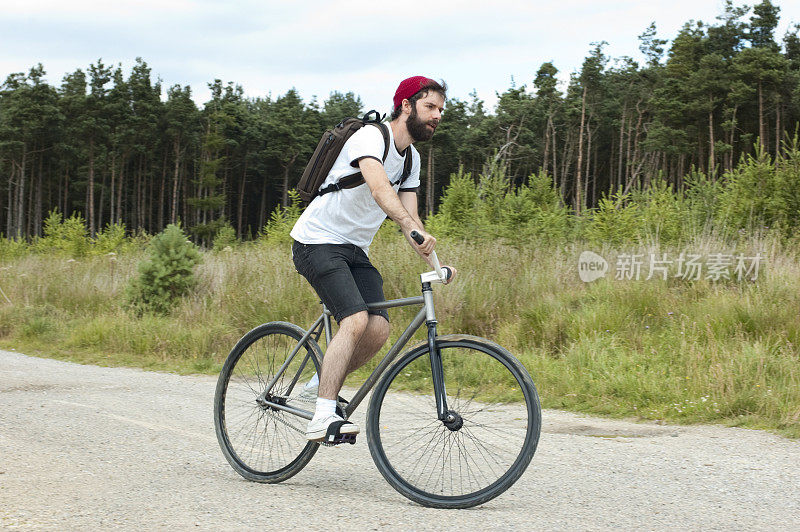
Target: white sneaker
{"x": 322, "y": 429}
{"x": 308, "y": 395}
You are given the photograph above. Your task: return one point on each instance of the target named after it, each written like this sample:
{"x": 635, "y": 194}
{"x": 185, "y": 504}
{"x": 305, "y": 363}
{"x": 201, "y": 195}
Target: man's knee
{"x": 379, "y": 328}
{"x": 355, "y": 324}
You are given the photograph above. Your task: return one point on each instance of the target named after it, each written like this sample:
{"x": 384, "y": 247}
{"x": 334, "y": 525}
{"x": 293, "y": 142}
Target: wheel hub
{"x": 453, "y": 420}
{"x": 263, "y": 402}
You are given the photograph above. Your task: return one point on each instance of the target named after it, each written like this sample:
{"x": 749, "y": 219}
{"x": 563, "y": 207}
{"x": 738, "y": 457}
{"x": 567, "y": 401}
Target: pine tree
{"x": 210, "y": 200}
{"x": 181, "y": 119}
{"x": 167, "y": 276}
{"x": 291, "y": 138}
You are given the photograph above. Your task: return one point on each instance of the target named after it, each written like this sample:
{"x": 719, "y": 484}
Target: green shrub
{"x": 787, "y": 177}
{"x": 534, "y": 212}
{"x": 493, "y": 189}
{"x": 756, "y": 196}
{"x": 110, "y": 240}
{"x": 12, "y": 248}
{"x": 491, "y": 208}
{"x": 64, "y": 236}
{"x": 167, "y": 275}
{"x": 225, "y": 238}
{"x": 701, "y": 196}
{"x": 616, "y": 220}
{"x": 662, "y": 213}
{"x": 458, "y": 209}
{"x": 137, "y": 242}
{"x": 70, "y": 238}
{"x": 281, "y": 221}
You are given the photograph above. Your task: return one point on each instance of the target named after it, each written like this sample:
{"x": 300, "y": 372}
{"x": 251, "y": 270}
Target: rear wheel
{"x": 260, "y": 442}
{"x": 472, "y": 458}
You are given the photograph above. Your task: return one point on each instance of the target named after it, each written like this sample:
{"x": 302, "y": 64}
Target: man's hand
{"x": 452, "y": 274}
{"x": 409, "y": 201}
{"x": 424, "y": 249}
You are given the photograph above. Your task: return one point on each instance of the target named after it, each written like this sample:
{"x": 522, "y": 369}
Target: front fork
{"x": 450, "y": 418}
{"x": 437, "y": 373}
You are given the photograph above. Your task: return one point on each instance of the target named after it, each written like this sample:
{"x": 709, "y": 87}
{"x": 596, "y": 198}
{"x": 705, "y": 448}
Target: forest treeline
{"x": 119, "y": 149}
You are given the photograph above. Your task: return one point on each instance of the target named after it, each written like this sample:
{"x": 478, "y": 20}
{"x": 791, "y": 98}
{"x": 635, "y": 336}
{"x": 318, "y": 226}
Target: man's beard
{"x": 418, "y": 129}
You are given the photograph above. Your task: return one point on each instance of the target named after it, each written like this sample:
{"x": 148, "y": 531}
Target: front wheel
{"x": 260, "y": 442}
{"x": 457, "y": 464}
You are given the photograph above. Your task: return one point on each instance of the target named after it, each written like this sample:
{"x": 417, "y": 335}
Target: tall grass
{"x": 689, "y": 351}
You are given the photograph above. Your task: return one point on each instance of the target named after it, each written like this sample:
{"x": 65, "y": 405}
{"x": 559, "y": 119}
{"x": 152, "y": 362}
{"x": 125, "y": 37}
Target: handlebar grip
{"x": 448, "y": 273}
{"x": 418, "y": 238}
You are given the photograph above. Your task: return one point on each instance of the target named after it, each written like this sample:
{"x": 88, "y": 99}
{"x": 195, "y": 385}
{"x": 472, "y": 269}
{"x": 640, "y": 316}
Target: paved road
{"x": 91, "y": 447}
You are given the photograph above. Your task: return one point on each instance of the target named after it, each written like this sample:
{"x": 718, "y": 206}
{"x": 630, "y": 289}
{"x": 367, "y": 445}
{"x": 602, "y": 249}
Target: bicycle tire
{"x": 404, "y": 440}
{"x": 263, "y": 444}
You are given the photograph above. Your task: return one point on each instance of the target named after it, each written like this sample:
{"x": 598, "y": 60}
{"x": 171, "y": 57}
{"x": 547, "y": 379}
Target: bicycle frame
{"x": 425, "y": 315}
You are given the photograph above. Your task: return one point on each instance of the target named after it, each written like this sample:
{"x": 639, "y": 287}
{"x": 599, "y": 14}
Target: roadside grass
{"x": 675, "y": 350}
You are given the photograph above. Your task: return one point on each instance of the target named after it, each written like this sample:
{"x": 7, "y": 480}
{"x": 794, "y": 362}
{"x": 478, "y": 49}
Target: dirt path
{"x": 91, "y": 447}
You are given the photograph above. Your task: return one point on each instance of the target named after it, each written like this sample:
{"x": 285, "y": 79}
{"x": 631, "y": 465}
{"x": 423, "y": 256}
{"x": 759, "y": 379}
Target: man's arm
{"x": 409, "y": 201}
{"x": 387, "y": 199}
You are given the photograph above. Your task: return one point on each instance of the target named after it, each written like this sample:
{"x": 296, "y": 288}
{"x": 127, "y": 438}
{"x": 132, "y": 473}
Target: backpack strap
{"x": 386, "y": 138}
{"x": 407, "y": 164}
{"x": 350, "y": 181}
{"x": 354, "y": 180}
{"x": 376, "y": 120}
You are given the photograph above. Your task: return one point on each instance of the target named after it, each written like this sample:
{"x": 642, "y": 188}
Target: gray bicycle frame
{"x": 425, "y": 314}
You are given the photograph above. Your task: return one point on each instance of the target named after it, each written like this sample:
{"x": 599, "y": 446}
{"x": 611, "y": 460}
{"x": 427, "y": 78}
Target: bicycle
{"x": 452, "y": 423}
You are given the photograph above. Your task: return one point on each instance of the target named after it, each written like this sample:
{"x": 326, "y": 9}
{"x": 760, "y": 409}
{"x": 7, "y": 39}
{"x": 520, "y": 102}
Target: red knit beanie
{"x": 409, "y": 87}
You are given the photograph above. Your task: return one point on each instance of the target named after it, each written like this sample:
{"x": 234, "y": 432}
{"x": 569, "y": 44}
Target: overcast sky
{"x": 347, "y": 45}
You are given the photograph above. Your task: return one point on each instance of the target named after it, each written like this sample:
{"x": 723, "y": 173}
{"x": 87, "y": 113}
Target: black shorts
{"x": 342, "y": 276}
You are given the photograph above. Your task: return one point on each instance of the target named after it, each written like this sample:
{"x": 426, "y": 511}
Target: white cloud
{"x": 321, "y": 46}
{"x": 82, "y": 8}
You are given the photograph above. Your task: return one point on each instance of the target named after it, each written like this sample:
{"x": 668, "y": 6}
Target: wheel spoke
{"x": 261, "y": 443}
{"x": 419, "y": 453}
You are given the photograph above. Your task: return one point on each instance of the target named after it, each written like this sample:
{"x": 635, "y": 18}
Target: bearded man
{"x": 332, "y": 238}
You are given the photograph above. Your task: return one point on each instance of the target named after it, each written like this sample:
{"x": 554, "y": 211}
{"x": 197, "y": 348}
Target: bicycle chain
{"x": 279, "y": 418}
{"x": 299, "y": 400}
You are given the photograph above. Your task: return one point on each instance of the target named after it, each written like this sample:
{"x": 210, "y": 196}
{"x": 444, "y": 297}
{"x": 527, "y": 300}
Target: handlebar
{"x": 443, "y": 273}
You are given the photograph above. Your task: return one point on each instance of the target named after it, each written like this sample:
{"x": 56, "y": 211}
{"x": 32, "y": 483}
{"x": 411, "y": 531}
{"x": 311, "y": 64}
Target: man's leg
{"x": 370, "y": 342}
{"x": 375, "y": 335}
{"x": 332, "y": 374}
{"x": 338, "y": 356}
{"x": 370, "y": 285}
{"x": 332, "y": 271}
{"x": 328, "y": 268}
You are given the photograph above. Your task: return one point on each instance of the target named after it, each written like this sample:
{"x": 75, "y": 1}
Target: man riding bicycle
{"x": 332, "y": 238}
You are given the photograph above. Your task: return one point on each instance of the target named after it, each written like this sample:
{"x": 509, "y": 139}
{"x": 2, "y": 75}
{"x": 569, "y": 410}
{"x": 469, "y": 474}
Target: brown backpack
{"x": 328, "y": 149}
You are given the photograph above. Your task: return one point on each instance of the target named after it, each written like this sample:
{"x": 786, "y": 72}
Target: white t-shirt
{"x": 351, "y": 216}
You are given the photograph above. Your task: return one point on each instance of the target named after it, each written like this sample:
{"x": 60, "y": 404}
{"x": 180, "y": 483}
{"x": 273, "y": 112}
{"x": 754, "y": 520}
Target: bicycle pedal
{"x": 341, "y": 438}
